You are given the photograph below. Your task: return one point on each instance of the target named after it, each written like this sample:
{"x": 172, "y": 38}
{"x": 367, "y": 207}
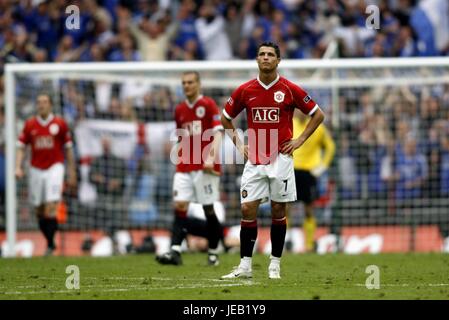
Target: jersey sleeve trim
{"x": 20, "y": 144}
{"x": 217, "y": 128}
{"x": 313, "y": 110}
{"x": 68, "y": 144}
{"x": 227, "y": 116}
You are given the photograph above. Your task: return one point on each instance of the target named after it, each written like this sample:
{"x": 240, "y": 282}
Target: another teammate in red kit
{"x": 269, "y": 101}
{"x": 50, "y": 141}
{"x": 197, "y": 176}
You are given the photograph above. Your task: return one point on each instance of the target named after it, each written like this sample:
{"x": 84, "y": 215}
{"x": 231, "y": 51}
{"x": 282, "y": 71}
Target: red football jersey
{"x": 200, "y": 120}
{"x": 269, "y": 110}
{"x": 47, "y": 138}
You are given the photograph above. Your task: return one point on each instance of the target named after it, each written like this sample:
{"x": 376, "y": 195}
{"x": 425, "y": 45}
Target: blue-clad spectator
{"x": 94, "y": 53}
{"x": 425, "y": 32}
{"x": 411, "y": 171}
{"x": 444, "y": 171}
{"x": 405, "y": 45}
{"x": 25, "y": 12}
{"x": 47, "y": 27}
{"x": 444, "y": 159}
{"x": 390, "y": 26}
{"x": 377, "y": 185}
{"x": 264, "y": 10}
{"x": 126, "y": 52}
{"x": 189, "y": 52}
{"x": 349, "y": 179}
{"x": 2, "y": 184}
{"x": 110, "y": 6}
{"x": 257, "y": 36}
{"x": 186, "y": 28}
{"x": 281, "y": 22}
{"x": 2, "y": 165}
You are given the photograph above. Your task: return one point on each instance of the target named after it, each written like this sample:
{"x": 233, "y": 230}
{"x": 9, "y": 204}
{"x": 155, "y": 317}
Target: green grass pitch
{"x": 305, "y": 276}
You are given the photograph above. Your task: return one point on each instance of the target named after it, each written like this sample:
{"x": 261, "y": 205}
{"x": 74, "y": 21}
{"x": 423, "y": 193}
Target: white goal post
{"x": 334, "y": 74}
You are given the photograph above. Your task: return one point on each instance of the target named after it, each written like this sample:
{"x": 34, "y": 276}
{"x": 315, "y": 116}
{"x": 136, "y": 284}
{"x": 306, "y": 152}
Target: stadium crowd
{"x": 393, "y": 142}
{"x": 150, "y": 30}
{"x": 402, "y": 147}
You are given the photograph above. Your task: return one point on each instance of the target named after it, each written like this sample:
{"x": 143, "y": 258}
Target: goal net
{"x": 387, "y": 189}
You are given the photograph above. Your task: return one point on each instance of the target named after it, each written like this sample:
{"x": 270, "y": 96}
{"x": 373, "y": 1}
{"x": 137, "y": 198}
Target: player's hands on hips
{"x": 244, "y": 151}
{"x": 208, "y": 167}
{"x": 19, "y": 173}
{"x": 289, "y": 146}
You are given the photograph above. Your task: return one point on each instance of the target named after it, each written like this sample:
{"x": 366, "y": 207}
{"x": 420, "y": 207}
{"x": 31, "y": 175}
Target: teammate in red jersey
{"x": 197, "y": 174}
{"x": 270, "y": 101}
{"x": 49, "y": 136}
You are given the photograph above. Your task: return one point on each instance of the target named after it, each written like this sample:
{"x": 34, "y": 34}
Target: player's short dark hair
{"x": 47, "y": 95}
{"x": 271, "y": 45}
{"x": 196, "y": 73}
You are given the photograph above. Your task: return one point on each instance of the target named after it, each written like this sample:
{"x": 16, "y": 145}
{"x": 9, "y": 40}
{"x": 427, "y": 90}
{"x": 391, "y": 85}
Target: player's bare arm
{"x": 212, "y": 157}
{"x": 20, "y": 154}
{"x": 230, "y": 130}
{"x": 72, "y": 176}
{"x": 316, "y": 119}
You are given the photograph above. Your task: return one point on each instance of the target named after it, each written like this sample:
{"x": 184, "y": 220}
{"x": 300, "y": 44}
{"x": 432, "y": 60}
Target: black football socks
{"x": 248, "y": 236}
{"x": 277, "y": 235}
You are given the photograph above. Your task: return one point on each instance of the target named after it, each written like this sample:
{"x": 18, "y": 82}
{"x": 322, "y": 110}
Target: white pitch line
{"x": 438, "y": 284}
{"x": 97, "y": 278}
{"x": 136, "y": 288}
{"x": 139, "y": 288}
{"x": 140, "y": 278}
{"x": 196, "y": 280}
{"x": 231, "y": 283}
{"x": 407, "y": 285}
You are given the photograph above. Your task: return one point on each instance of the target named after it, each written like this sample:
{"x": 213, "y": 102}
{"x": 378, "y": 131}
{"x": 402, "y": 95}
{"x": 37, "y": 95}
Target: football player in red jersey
{"x": 269, "y": 101}
{"x": 197, "y": 176}
{"x": 49, "y": 136}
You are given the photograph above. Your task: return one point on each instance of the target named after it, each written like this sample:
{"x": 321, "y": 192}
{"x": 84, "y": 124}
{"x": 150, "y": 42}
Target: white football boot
{"x": 274, "y": 270}
{"x": 243, "y": 270}
{"x": 239, "y": 272}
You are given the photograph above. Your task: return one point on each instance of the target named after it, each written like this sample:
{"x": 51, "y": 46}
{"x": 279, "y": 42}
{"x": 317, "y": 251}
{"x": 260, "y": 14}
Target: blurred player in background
{"x": 197, "y": 227}
{"x": 49, "y": 136}
{"x": 310, "y": 162}
{"x": 270, "y": 101}
{"x": 108, "y": 174}
{"x": 197, "y": 176}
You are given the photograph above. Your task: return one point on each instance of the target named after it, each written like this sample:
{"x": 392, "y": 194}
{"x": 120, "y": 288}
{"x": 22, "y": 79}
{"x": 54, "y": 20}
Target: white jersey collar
{"x": 45, "y": 122}
{"x": 191, "y": 105}
{"x": 268, "y": 86}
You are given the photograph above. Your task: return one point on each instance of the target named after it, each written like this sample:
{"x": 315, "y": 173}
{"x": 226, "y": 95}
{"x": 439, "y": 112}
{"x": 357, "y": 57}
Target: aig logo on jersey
{"x": 265, "y": 115}
{"x": 279, "y": 96}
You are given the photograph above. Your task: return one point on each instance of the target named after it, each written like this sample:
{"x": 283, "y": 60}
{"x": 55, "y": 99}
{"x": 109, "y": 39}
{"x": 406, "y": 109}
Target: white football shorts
{"x": 275, "y": 181}
{"x": 196, "y": 186}
{"x": 46, "y": 185}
